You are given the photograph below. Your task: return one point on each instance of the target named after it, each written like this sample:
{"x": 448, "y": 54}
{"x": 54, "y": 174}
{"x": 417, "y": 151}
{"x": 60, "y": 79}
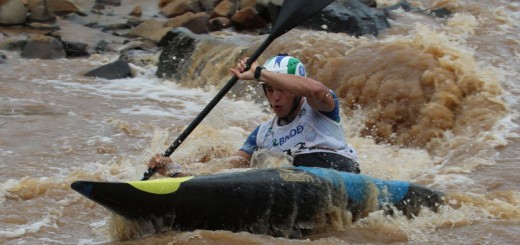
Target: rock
{"x": 133, "y": 21}
{"x": 76, "y": 18}
{"x": 12, "y": 12}
{"x": 270, "y": 2}
{"x": 42, "y": 14}
{"x": 13, "y": 43}
{"x": 163, "y": 3}
{"x": 44, "y": 26}
{"x": 3, "y": 58}
{"x": 98, "y": 9}
{"x": 109, "y": 2}
{"x": 248, "y": 18}
{"x": 178, "y": 21}
{"x": 441, "y": 13}
{"x": 352, "y": 17}
{"x": 196, "y": 23}
{"x": 146, "y": 28}
{"x": 117, "y": 26}
{"x": 59, "y": 7}
{"x": 116, "y": 70}
{"x": 137, "y": 11}
{"x": 246, "y": 3}
{"x": 208, "y": 5}
{"x": 178, "y": 45}
{"x": 406, "y": 6}
{"x": 76, "y": 49}
{"x": 219, "y": 23}
{"x": 370, "y": 3}
{"x": 43, "y": 47}
{"x": 135, "y": 45}
{"x": 268, "y": 9}
{"x": 151, "y": 29}
{"x": 101, "y": 46}
{"x": 224, "y": 9}
{"x": 179, "y": 7}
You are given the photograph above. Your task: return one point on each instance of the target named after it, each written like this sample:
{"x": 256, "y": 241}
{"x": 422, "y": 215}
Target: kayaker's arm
{"x": 164, "y": 165}
{"x": 317, "y": 94}
{"x": 240, "y": 159}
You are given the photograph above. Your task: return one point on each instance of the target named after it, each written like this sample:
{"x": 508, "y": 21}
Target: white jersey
{"x": 311, "y": 131}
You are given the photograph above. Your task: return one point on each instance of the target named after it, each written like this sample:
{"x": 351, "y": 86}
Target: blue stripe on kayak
{"x": 357, "y": 184}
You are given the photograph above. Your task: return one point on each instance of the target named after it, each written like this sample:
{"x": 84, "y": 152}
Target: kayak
{"x": 282, "y": 202}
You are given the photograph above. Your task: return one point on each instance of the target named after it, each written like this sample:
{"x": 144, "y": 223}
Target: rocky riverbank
{"x": 42, "y": 28}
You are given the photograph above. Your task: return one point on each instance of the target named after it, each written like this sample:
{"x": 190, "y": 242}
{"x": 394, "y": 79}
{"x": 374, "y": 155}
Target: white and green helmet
{"x": 285, "y": 64}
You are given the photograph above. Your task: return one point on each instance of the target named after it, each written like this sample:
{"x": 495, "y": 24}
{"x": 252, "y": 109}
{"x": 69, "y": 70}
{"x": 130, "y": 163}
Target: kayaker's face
{"x": 281, "y": 101}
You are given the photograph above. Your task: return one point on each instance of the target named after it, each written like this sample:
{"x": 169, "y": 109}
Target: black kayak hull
{"x": 280, "y": 202}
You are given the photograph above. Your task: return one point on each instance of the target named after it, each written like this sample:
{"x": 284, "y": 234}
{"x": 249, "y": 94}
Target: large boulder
{"x": 12, "y": 12}
{"x": 43, "y": 47}
{"x": 352, "y": 17}
{"x": 178, "y": 44}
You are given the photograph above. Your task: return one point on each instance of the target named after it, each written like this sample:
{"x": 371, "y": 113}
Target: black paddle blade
{"x": 149, "y": 173}
{"x": 294, "y": 12}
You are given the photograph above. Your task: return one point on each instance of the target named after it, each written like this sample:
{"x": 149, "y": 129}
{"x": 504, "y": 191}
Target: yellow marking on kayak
{"x": 159, "y": 186}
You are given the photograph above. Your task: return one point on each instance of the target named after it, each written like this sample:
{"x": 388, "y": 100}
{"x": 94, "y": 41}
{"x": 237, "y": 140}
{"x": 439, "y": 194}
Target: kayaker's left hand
{"x": 160, "y": 163}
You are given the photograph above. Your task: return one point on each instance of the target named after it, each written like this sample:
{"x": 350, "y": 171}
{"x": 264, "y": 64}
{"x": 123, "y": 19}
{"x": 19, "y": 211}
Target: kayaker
{"x": 306, "y": 125}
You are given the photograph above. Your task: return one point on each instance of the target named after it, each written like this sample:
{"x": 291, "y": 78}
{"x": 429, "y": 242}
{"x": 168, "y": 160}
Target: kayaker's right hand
{"x": 240, "y": 70}
{"x": 160, "y": 163}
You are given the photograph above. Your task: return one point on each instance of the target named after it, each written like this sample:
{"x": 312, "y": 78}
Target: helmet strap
{"x": 296, "y": 103}
{"x": 265, "y": 92}
{"x": 295, "y": 106}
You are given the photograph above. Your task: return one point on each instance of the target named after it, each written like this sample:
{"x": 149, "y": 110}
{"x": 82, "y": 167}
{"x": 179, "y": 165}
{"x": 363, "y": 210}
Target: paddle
{"x": 291, "y": 14}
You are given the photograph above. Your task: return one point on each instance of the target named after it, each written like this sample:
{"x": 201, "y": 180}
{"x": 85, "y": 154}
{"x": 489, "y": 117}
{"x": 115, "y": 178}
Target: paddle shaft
{"x": 292, "y": 12}
{"x": 213, "y": 102}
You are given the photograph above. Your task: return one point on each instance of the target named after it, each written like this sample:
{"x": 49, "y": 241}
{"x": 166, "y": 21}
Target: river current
{"x": 432, "y": 101}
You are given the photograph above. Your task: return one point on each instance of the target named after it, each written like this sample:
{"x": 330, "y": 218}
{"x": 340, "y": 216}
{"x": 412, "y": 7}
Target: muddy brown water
{"x": 431, "y": 101}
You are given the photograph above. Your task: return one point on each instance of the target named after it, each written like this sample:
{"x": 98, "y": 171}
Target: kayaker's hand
{"x": 160, "y": 163}
{"x": 240, "y": 159}
{"x": 240, "y": 70}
